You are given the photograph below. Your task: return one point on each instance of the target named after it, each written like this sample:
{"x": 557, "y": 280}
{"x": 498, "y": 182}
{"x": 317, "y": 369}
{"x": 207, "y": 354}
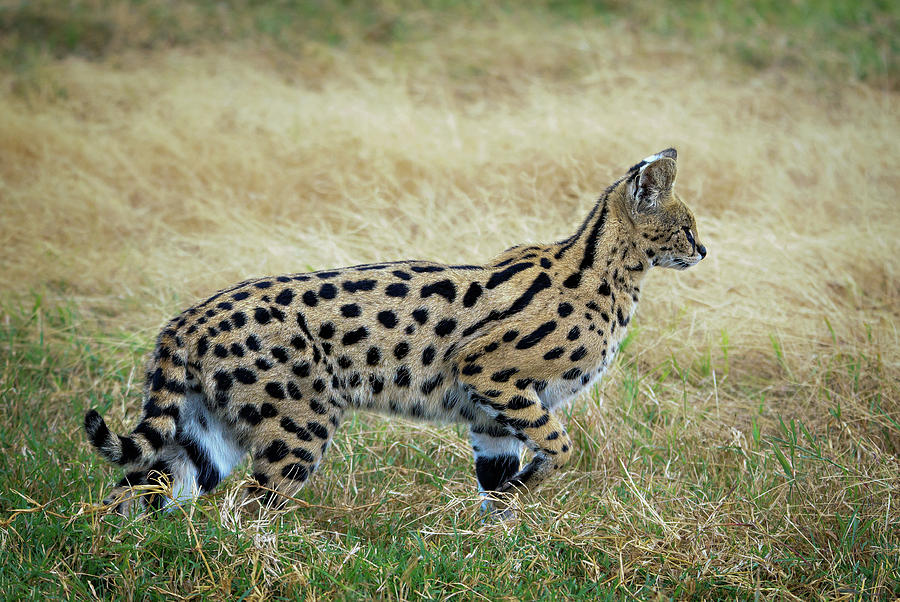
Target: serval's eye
{"x": 690, "y": 237}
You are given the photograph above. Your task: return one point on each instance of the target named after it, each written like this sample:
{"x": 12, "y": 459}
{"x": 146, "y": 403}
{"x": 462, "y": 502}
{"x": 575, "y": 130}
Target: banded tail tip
{"x": 96, "y": 428}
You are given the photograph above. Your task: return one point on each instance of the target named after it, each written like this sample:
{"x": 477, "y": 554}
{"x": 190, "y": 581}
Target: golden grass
{"x": 135, "y": 184}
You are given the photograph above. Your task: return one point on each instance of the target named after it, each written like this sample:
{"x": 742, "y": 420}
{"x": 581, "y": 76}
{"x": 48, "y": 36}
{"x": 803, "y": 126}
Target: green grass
{"x": 839, "y": 38}
{"x": 792, "y": 508}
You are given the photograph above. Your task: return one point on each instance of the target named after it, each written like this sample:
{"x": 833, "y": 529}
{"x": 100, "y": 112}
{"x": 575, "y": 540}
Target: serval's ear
{"x": 653, "y": 178}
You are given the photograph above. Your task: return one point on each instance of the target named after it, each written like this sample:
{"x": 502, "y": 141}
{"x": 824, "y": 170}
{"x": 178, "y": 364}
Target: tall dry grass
{"x": 135, "y": 184}
{"x": 138, "y": 183}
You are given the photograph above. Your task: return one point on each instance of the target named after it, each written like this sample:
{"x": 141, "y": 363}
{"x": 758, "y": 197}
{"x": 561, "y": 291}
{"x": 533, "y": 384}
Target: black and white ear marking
{"x": 651, "y": 178}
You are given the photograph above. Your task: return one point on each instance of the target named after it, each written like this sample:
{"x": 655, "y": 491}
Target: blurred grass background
{"x": 842, "y": 39}
{"x": 744, "y": 445}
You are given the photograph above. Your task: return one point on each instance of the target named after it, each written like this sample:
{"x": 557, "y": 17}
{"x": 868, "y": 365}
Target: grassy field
{"x": 746, "y": 444}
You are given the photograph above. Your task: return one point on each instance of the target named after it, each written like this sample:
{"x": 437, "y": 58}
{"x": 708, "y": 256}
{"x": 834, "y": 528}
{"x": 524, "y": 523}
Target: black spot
{"x": 225, "y": 326}
{"x": 285, "y": 297}
{"x": 355, "y": 380}
{"x": 223, "y": 380}
{"x": 564, "y": 309}
{"x": 263, "y": 364}
{"x": 294, "y": 391}
{"x": 573, "y": 281}
{"x": 275, "y": 390}
{"x": 502, "y": 376}
{"x": 220, "y": 350}
{"x": 396, "y": 290}
{"x": 510, "y": 335}
{"x": 401, "y": 274}
{"x": 604, "y": 289}
{"x": 328, "y": 291}
{"x": 280, "y": 354}
{"x": 401, "y": 350}
{"x": 491, "y": 347}
{"x": 319, "y": 385}
{"x": 554, "y": 353}
{"x": 250, "y": 414}
{"x": 359, "y": 285}
{"x": 240, "y": 296}
{"x": 283, "y": 279}
{"x": 248, "y": 377}
{"x": 472, "y": 369}
{"x": 420, "y": 315}
{"x": 355, "y": 336}
{"x": 498, "y": 278}
{"x": 276, "y": 451}
{"x": 277, "y": 314}
{"x": 546, "y": 263}
{"x": 373, "y": 356}
{"x": 474, "y": 291}
{"x": 317, "y": 407}
{"x": 303, "y": 454}
{"x": 298, "y": 343}
{"x": 403, "y": 377}
{"x": 445, "y": 327}
{"x": 326, "y": 331}
{"x": 175, "y": 386}
{"x": 574, "y": 333}
{"x": 202, "y": 346}
{"x": 253, "y": 343}
{"x": 262, "y": 315}
{"x": 262, "y": 285}
{"x": 377, "y": 384}
{"x": 310, "y": 298}
{"x": 237, "y": 349}
{"x": 317, "y": 429}
{"x": 571, "y": 374}
{"x": 444, "y": 288}
{"x": 532, "y": 339}
{"x": 428, "y": 355}
{"x": 523, "y": 383}
{"x": 519, "y": 402}
{"x": 387, "y": 318}
{"x": 157, "y": 380}
{"x": 350, "y": 310}
{"x": 623, "y": 320}
{"x": 301, "y": 369}
{"x": 295, "y": 472}
{"x": 578, "y": 354}
{"x": 344, "y": 362}
{"x": 430, "y": 385}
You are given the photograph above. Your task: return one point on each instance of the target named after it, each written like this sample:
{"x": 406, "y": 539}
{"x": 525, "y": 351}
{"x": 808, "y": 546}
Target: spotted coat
{"x": 270, "y": 366}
